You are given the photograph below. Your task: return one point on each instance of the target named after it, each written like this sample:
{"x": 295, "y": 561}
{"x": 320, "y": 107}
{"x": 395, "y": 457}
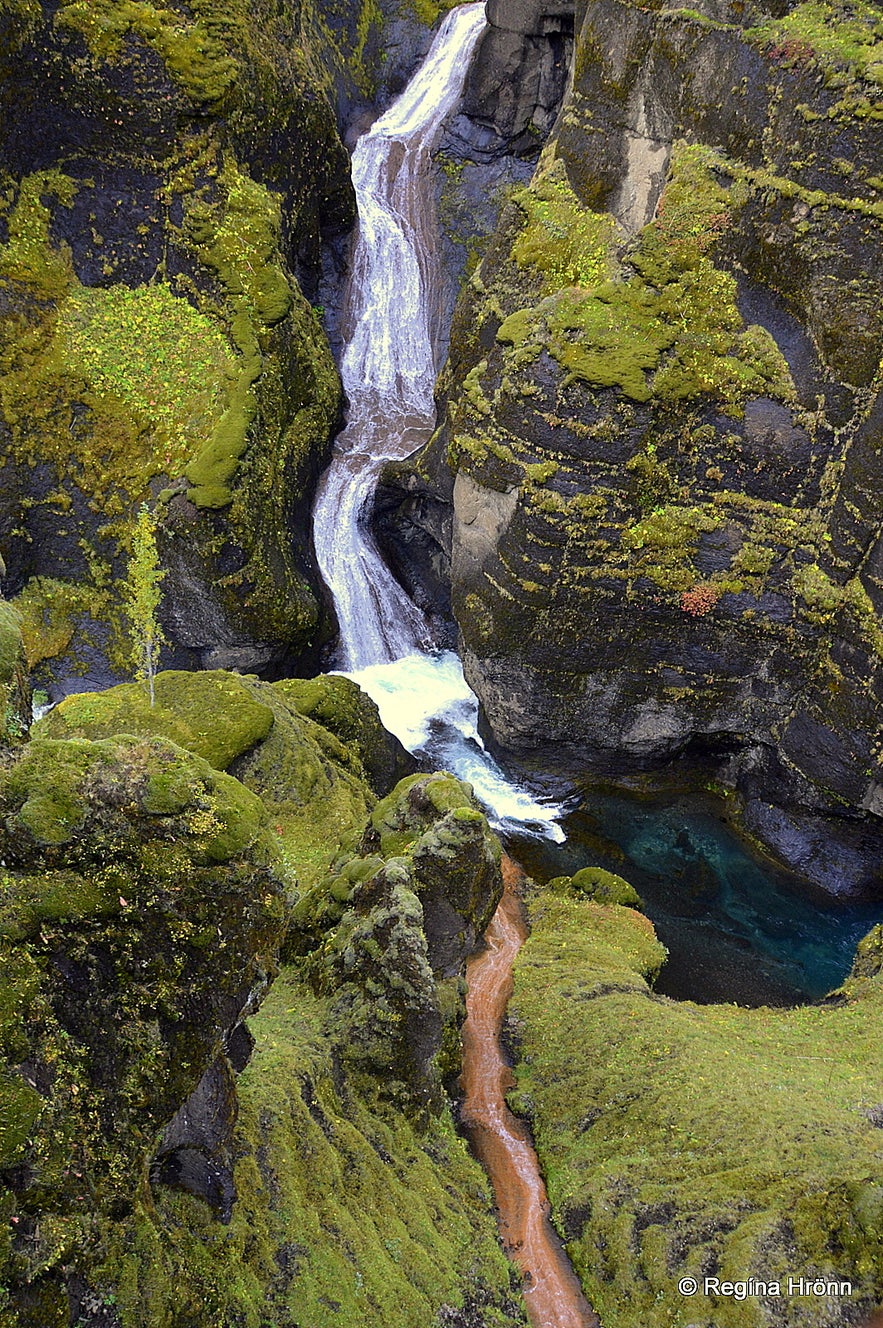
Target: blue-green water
{"x": 737, "y": 929}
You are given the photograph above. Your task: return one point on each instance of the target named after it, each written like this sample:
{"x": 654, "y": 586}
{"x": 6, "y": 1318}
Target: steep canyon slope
{"x": 655, "y": 490}
{"x": 168, "y": 176}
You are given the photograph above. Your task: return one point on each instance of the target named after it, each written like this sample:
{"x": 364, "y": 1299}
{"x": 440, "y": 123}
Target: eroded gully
{"x": 388, "y": 369}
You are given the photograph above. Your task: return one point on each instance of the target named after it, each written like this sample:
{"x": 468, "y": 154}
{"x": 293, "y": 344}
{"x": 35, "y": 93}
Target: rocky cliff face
{"x": 169, "y": 174}
{"x": 656, "y": 478}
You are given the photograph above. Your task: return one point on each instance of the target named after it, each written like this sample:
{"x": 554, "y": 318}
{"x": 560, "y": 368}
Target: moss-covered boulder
{"x": 212, "y": 714}
{"x": 602, "y": 886}
{"x": 340, "y": 706}
{"x": 657, "y": 477}
{"x": 683, "y": 1141}
{"x": 142, "y": 906}
{"x": 309, "y": 772}
{"x": 388, "y": 931}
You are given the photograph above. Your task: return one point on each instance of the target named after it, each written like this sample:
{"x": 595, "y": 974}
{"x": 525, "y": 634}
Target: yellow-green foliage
{"x": 152, "y": 373}
{"x": 661, "y": 545}
{"x": 667, "y": 308}
{"x": 136, "y": 851}
{"x": 345, "y": 1215}
{"x": 14, "y": 693}
{"x": 678, "y": 1138}
{"x": 845, "y": 38}
{"x": 820, "y": 599}
{"x": 143, "y": 597}
{"x": 151, "y": 348}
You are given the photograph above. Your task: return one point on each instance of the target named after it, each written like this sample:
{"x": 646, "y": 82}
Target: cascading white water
{"x": 388, "y": 371}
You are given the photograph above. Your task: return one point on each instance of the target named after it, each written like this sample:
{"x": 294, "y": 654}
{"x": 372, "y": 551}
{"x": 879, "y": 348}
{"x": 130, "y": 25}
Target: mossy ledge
{"x": 681, "y": 1140}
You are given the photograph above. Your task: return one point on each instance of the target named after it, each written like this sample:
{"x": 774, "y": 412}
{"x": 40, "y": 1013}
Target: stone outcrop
{"x": 520, "y": 72}
{"x": 402, "y": 914}
{"x": 142, "y": 909}
{"x": 170, "y": 175}
{"x": 662, "y": 411}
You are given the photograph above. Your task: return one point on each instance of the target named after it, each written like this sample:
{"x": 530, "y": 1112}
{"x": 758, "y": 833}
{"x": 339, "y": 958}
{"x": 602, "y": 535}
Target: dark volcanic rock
{"x": 172, "y": 174}
{"x": 656, "y": 484}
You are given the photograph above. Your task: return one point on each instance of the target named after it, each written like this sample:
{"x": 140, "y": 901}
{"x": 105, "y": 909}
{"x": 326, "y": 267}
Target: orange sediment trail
{"x": 552, "y": 1292}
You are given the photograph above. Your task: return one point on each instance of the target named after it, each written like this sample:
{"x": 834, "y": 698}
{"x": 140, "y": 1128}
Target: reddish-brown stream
{"x": 551, "y": 1290}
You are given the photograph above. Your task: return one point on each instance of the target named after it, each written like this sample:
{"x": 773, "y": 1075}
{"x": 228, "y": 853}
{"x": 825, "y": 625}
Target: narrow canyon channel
{"x": 552, "y": 1291}
{"x": 388, "y": 370}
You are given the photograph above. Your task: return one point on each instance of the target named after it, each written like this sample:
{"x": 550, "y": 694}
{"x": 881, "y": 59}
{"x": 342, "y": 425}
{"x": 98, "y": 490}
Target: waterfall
{"x": 388, "y": 370}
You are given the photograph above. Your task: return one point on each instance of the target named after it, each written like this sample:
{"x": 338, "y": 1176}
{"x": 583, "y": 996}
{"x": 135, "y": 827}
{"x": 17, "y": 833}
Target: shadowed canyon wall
{"x": 654, "y": 488}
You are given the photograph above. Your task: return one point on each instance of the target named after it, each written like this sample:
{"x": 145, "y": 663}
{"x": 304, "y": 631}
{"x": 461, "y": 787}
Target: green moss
{"x": 822, "y": 600}
{"x": 27, "y": 256}
{"x": 603, "y": 887}
{"x": 15, "y": 699}
{"x": 684, "y": 1137}
{"x": 569, "y": 243}
{"x": 401, "y": 818}
{"x": 662, "y": 544}
{"x": 212, "y": 714}
{"x": 312, "y": 781}
{"x": 48, "y": 609}
{"x": 199, "y": 55}
{"x": 666, "y": 308}
{"x": 430, "y": 11}
{"x": 241, "y": 247}
{"x": 345, "y": 1213}
{"x": 344, "y": 710}
{"x": 843, "y": 39}
{"x": 157, "y": 353}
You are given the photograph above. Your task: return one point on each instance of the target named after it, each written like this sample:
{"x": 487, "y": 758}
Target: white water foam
{"x": 429, "y": 706}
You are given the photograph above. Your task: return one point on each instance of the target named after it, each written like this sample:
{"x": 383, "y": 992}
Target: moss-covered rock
{"x": 657, "y": 476}
{"x": 144, "y": 895}
{"x": 345, "y": 1214}
{"x": 142, "y": 907}
{"x": 213, "y": 714}
{"x": 153, "y": 334}
{"x": 310, "y": 777}
{"x": 705, "y": 1141}
{"x": 602, "y": 886}
{"x": 341, "y": 706}
{"x": 389, "y": 929}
